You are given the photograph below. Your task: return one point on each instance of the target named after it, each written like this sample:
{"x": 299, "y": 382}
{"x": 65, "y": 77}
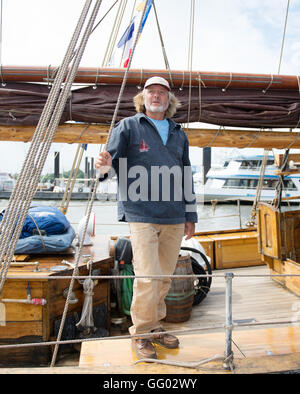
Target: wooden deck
{"x": 257, "y": 300}
{"x": 255, "y": 297}
{"x": 271, "y": 343}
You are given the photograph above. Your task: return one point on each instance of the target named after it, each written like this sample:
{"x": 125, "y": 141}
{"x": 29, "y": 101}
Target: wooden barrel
{"x": 180, "y": 297}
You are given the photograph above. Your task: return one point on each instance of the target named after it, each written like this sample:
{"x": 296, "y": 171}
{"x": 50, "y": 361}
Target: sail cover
{"x": 22, "y": 104}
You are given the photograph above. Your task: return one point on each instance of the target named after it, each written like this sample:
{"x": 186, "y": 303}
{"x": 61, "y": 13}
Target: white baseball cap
{"x": 157, "y": 81}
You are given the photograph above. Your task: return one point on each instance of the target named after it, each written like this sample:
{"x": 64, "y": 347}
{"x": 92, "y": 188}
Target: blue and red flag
{"x": 127, "y": 38}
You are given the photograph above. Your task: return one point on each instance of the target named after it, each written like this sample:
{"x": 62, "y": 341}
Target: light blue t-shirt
{"x": 163, "y": 128}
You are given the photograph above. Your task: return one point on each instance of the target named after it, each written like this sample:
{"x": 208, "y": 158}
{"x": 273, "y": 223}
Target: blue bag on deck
{"x": 44, "y": 220}
{"x": 49, "y": 244}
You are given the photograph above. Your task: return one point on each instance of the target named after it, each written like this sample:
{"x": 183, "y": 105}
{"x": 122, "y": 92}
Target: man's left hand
{"x": 189, "y": 230}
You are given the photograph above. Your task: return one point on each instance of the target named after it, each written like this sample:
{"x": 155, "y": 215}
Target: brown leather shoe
{"x": 167, "y": 340}
{"x": 143, "y": 348}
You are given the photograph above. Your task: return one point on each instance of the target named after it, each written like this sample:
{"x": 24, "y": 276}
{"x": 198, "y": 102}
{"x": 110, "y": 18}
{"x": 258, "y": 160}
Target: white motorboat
{"x": 238, "y": 178}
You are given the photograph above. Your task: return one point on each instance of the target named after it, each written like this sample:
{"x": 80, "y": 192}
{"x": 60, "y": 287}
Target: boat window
{"x": 252, "y": 183}
{"x": 251, "y": 164}
{"x": 242, "y": 183}
{"x": 232, "y": 182}
{"x": 289, "y": 184}
{"x": 269, "y": 183}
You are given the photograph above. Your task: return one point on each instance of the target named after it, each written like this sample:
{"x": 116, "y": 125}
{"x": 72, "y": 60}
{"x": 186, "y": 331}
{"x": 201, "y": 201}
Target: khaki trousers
{"x": 155, "y": 250}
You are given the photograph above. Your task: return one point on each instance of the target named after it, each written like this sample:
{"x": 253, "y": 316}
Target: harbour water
{"x": 223, "y": 216}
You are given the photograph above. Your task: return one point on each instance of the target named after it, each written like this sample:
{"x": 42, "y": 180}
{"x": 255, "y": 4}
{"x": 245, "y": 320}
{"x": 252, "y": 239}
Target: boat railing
{"x": 241, "y": 167}
{"x": 264, "y": 187}
{"x": 214, "y": 206}
{"x": 229, "y": 324}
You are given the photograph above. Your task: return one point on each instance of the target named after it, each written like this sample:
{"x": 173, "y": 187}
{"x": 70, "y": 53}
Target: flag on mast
{"x": 126, "y": 41}
{"x": 129, "y": 35}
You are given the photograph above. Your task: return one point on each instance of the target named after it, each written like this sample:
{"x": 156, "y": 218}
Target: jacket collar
{"x": 173, "y": 125}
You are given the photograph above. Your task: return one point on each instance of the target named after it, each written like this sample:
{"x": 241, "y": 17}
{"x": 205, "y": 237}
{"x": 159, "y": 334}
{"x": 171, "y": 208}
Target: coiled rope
{"x": 86, "y": 320}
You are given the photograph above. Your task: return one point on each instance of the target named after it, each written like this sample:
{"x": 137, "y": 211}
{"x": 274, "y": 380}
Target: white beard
{"x": 154, "y": 108}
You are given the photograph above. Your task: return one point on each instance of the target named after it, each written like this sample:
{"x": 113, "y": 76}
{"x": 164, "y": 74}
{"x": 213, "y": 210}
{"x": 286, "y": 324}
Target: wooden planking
{"x": 278, "y": 158}
{"x": 235, "y": 250}
{"x": 98, "y": 252}
{"x": 253, "y": 343}
{"x": 17, "y": 289}
{"x": 97, "y": 134}
{"x": 23, "y": 312}
{"x": 24, "y": 320}
{"x": 268, "y": 227}
{"x": 249, "y": 365}
{"x": 292, "y": 282}
{"x": 253, "y": 298}
{"x": 21, "y": 319}
{"x": 26, "y": 356}
{"x": 57, "y": 300}
{"x": 279, "y": 232}
{"x": 66, "y": 133}
{"x": 13, "y": 329}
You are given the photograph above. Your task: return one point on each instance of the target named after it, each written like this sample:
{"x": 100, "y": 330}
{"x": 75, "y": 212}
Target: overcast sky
{"x": 233, "y": 35}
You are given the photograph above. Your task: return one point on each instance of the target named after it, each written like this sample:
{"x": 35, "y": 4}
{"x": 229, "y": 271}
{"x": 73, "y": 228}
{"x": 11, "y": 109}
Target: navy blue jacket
{"x": 154, "y": 180}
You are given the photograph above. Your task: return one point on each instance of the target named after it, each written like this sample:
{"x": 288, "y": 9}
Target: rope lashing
{"x": 270, "y": 83}
{"x": 86, "y": 320}
{"x": 228, "y": 84}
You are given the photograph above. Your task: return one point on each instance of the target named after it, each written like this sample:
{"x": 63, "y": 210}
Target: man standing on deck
{"x": 150, "y": 154}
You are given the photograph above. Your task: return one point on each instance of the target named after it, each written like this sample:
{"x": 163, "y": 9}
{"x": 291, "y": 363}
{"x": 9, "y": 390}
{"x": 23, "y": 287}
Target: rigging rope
{"x": 114, "y": 33}
{"x": 163, "y": 45}
{"x": 190, "y": 56}
{"x": 251, "y": 222}
{"x": 128, "y": 32}
{"x": 71, "y": 180}
{"x": 26, "y": 184}
{"x": 283, "y": 37}
{"x": 279, "y": 187}
{"x": 94, "y": 188}
{"x": 1, "y": 30}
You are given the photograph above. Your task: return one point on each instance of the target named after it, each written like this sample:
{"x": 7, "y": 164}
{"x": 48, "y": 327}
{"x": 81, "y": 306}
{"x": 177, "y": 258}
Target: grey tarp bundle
{"x": 22, "y": 104}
